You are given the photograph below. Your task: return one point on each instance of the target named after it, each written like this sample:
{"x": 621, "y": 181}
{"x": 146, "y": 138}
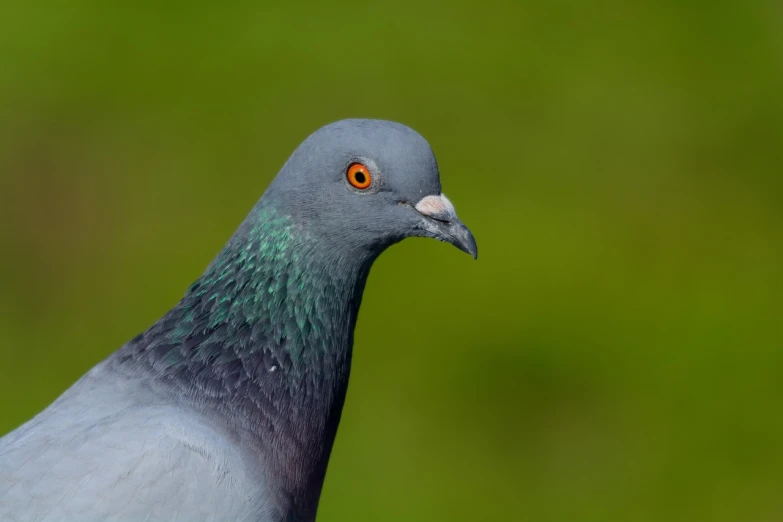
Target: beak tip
{"x": 473, "y": 251}
{"x": 466, "y": 242}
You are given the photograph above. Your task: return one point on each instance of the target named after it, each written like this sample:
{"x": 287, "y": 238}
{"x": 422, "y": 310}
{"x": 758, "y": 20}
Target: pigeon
{"x": 228, "y": 406}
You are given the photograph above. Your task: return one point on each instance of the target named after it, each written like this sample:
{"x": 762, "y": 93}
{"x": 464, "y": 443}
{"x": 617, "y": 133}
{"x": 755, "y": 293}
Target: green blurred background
{"x": 615, "y": 353}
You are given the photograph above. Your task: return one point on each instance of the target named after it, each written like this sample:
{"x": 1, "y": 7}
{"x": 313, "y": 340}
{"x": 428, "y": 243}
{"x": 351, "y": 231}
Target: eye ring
{"x": 359, "y": 176}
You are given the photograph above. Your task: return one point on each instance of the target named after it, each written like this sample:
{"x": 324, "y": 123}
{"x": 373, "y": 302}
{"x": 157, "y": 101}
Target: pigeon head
{"x": 363, "y": 185}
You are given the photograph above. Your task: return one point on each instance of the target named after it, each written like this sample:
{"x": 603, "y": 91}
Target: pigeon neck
{"x": 278, "y": 289}
{"x": 277, "y": 297}
{"x": 264, "y": 338}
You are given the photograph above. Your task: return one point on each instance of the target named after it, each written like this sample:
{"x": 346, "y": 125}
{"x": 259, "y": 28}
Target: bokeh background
{"x": 616, "y": 352}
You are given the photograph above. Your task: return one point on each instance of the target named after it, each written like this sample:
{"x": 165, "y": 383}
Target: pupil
{"x": 360, "y": 179}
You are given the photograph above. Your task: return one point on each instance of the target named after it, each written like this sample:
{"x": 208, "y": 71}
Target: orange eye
{"x": 359, "y": 176}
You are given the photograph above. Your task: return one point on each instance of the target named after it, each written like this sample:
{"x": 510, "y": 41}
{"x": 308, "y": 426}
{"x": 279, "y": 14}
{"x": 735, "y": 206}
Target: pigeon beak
{"x": 442, "y": 223}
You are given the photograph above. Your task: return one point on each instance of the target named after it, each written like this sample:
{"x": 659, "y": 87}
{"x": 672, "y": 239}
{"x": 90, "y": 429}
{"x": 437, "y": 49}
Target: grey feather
{"x": 111, "y": 449}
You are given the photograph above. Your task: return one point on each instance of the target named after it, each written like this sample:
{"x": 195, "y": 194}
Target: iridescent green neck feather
{"x": 277, "y": 307}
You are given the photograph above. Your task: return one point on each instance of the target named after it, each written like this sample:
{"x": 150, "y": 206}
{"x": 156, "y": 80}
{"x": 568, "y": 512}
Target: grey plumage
{"x": 227, "y": 407}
